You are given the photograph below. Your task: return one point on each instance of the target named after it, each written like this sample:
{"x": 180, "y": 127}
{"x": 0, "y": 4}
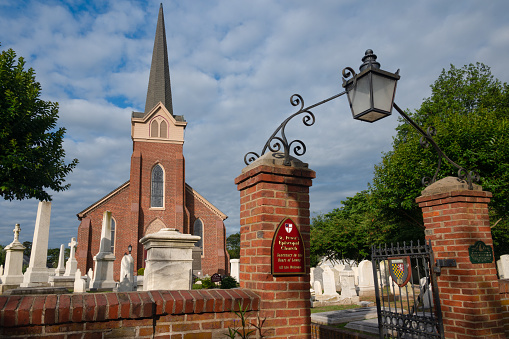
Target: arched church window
{"x": 154, "y": 129}
{"x": 198, "y": 230}
{"x": 157, "y": 192}
{"x": 163, "y": 128}
{"x": 113, "y": 224}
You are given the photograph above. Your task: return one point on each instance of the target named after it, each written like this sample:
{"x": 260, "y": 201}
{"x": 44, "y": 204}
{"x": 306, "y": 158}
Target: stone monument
{"x": 169, "y": 260}
{"x": 127, "y": 269}
{"x": 366, "y": 279}
{"x": 103, "y": 268}
{"x": 60, "y": 270}
{"x": 348, "y": 292}
{"x": 37, "y": 274}
{"x": 80, "y": 284}
{"x": 72, "y": 264}
{"x": 12, "y": 275}
{"x": 234, "y": 268}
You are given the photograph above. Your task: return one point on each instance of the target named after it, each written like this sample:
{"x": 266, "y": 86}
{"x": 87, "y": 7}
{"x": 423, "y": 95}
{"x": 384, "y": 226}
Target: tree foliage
{"x": 233, "y": 245}
{"x": 31, "y": 153}
{"x": 469, "y": 109}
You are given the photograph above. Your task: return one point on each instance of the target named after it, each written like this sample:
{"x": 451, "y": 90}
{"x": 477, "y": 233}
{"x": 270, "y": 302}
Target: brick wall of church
{"x": 89, "y": 240}
{"x": 215, "y": 258}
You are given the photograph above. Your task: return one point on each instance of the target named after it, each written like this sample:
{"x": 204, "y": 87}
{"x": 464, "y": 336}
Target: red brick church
{"x": 156, "y": 196}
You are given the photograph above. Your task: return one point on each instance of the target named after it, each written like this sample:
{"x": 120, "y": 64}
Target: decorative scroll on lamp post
{"x": 371, "y": 97}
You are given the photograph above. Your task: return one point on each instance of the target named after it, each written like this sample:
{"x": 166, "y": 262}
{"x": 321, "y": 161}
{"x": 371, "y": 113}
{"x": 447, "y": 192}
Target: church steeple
{"x": 159, "y": 87}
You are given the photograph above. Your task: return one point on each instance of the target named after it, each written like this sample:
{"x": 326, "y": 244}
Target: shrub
{"x": 228, "y": 282}
{"x": 207, "y": 283}
{"x": 141, "y": 271}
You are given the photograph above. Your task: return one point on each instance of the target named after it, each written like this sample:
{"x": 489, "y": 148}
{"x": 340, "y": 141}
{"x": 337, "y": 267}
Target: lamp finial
{"x": 369, "y": 59}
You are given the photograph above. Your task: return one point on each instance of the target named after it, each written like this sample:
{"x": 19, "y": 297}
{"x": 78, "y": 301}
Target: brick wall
{"x": 504, "y": 300}
{"x": 175, "y": 314}
{"x": 268, "y": 194}
{"x": 469, "y": 293}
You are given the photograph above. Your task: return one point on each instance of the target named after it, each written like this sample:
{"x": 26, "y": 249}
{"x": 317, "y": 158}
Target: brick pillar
{"x": 455, "y": 219}
{"x": 270, "y": 192}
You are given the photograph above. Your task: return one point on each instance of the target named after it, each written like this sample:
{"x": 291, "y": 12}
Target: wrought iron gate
{"x": 407, "y": 298}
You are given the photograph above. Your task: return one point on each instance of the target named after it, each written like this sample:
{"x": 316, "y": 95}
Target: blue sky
{"x": 234, "y": 66}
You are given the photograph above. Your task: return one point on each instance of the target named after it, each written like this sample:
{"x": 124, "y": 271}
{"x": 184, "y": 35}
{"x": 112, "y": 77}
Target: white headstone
{"x": 127, "y": 268}
{"x": 60, "y": 270}
{"x": 12, "y": 275}
{"x": 72, "y": 264}
{"x": 312, "y": 276}
{"x": 317, "y": 287}
{"x": 235, "y": 269}
{"x": 503, "y": 266}
{"x": 317, "y": 274}
{"x": 1, "y": 271}
{"x": 103, "y": 269}
{"x": 348, "y": 283}
{"x": 426, "y": 295}
{"x": 366, "y": 279}
{"x": 124, "y": 285}
{"x": 80, "y": 284}
{"x": 90, "y": 275}
{"x": 37, "y": 274}
{"x": 329, "y": 283}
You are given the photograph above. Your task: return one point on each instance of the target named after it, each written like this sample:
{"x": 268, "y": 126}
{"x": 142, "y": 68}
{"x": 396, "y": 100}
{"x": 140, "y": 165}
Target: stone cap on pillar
{"x": 448, "y": 184}
{"x": 274, "y": 159}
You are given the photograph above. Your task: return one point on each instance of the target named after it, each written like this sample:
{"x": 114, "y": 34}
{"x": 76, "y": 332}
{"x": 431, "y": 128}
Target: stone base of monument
{"x": 321, "y": 301}
{"x": 169, "y": 262}
{"x": 62, "y": 281}
{"x": 36, "y": 277}
{"x": 103, "y": 272}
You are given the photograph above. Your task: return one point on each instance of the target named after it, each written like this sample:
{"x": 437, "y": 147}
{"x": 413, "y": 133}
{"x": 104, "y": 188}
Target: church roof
{"x": 159, "y": 86}
{"x": 125, "y": 185}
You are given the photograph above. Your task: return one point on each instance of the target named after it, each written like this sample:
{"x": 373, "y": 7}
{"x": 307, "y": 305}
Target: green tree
{"x": 348, "y": 232}
{"x": 233, "y": 245}
{"x": 31, "y": 153}
{"x": 469, "y": 109}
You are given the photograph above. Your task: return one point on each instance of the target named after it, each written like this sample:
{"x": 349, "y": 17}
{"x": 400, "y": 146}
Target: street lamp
{"x": 371, "y": 97}
{"x": 371, "y": 92}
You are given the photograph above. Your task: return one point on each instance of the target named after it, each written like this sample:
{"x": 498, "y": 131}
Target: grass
{"x": 333, "y": 308}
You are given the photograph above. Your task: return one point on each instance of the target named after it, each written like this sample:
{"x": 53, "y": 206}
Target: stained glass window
{"x": 157, "y": 195}
{"x": 198, "y": 230}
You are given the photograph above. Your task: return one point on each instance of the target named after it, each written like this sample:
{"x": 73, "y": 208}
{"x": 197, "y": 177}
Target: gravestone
{"x": 337, "y": 279}
{"x": 329, "y": 285}
{"x": 12, "y": 275}
{"x": 80, "y": 284}
{"x": 60, "y": 270}
{"x": 1, "y": 271}
{"x": 348, "y": 290}
{"x": 503, "y": 266}
{"x": 127, "y": 271}
{"x": 37, "y": 274}
{"x": 317, "y": 287}
{"x": 103, "y": 268}
{"x": 317, "y": 274}
{"x": 426, "y": 296}
{"x": 72, "y": 264}
{"x": 312, "y": 276}
{"x": 234, "y": 268}
{"x": 366, "y": 279}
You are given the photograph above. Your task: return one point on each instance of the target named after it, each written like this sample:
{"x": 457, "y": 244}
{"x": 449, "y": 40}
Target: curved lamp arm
{"x": 427, "y": 139}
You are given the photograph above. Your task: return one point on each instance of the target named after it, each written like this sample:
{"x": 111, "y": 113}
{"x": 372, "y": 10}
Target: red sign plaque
{"x": 288, "y": 255}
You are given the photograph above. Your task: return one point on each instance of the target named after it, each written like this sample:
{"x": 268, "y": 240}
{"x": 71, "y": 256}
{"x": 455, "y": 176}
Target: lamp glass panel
{"x": 383, "y": 92}
{"x": 360, "y": 96}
